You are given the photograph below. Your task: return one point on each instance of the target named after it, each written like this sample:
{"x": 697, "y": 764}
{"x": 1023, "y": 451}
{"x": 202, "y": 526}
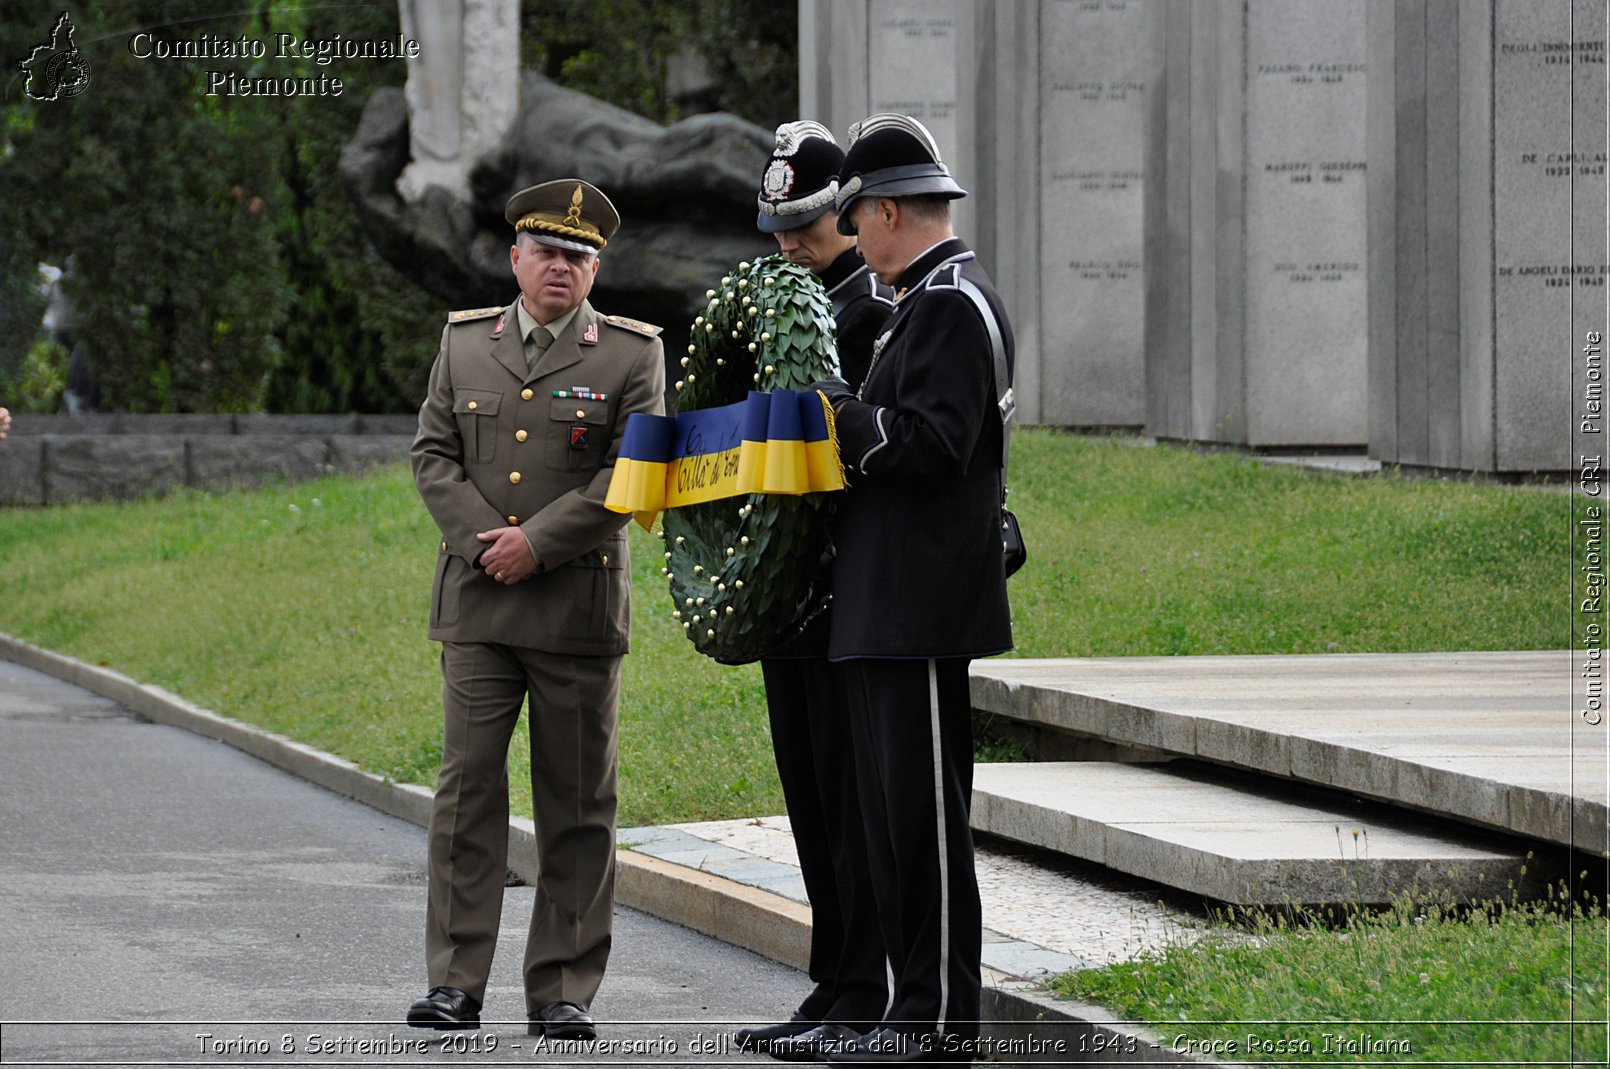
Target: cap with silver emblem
{"x": 800, "y": 179}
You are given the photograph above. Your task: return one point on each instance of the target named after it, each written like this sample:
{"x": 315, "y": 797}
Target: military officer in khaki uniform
{"x": 517, "y": 441}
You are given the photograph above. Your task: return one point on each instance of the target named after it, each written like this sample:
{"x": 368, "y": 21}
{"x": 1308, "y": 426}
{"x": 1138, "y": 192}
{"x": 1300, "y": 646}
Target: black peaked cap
{"x": 891, "y": 156}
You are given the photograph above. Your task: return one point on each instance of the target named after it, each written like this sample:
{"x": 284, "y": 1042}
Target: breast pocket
{"x": 476, "y": 412}
{"x": 577, "y": 433}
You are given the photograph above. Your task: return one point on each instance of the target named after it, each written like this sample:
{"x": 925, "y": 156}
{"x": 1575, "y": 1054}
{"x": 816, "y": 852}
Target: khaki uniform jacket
{"x": 496, "y": 447}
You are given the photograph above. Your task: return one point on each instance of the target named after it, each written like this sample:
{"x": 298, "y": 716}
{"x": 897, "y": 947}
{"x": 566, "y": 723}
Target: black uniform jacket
{"x": 861, "y": 305}
{"x": 860, "y": 308}
{"x": 919, "y": 570}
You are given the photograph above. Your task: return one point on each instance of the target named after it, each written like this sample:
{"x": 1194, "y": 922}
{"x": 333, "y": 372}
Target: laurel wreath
{"x": 746, "y": 573}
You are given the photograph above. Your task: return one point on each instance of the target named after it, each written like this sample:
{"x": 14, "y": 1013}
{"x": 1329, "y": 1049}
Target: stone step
{"x": 1043, "y": 912}
{"x": 1490, "y": 738}
{"x": 1228, "y": 837}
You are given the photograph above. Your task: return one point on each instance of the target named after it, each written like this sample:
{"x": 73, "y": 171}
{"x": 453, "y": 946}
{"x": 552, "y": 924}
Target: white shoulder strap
{"x": 1003, "y": 376}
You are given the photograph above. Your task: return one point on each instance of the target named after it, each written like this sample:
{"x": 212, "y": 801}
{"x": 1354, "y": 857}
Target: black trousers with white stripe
{"x": 810, "y": 729}
{"x": 911, "y": 727}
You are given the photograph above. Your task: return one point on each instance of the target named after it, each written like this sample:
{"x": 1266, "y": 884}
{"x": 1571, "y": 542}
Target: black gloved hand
{"x": 835, "y": 388}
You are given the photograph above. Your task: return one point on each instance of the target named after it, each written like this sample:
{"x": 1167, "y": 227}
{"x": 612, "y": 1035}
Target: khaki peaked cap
{"x": 566, "y": 212}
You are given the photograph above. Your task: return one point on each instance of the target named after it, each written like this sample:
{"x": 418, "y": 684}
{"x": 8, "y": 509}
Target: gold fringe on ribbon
{"x": 833, "y": 435}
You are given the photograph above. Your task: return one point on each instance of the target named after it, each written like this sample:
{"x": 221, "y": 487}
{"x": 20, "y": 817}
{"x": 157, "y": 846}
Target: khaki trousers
{"x": 573, "y": 760}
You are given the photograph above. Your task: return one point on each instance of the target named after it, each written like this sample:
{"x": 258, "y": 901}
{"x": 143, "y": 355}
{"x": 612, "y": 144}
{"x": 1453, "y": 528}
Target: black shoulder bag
{"x": 1013, "y": 548}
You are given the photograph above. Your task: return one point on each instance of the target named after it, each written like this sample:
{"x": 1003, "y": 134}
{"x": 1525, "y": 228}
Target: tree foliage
{"x": 163, "y": 198}
{"x": 218, "y": 265}
{"x": 621, "y": 51}
{"x": 361, "y": 332}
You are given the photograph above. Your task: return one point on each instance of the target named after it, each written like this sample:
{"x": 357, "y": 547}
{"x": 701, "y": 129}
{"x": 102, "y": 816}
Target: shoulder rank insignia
{"x": 631, "y": 324}
{"x": 472, "y": 313}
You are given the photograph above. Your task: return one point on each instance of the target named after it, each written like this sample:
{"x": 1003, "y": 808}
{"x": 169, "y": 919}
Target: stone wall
{"x": 1488, "y": 260}
{"x": 1258, "y": 314}
{"x": 1280, "y": 224}
{"x": 49, "y": 460}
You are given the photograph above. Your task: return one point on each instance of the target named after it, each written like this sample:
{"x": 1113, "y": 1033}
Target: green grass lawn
{"x": 1166, "y": 551}
{"x": 1422, "y": 985}
{"x": 302, "y": 608}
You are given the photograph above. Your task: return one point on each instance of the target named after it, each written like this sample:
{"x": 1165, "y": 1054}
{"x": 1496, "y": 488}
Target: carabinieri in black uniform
{"x": 919, "y": 583}
{"x": 805, "y": 695}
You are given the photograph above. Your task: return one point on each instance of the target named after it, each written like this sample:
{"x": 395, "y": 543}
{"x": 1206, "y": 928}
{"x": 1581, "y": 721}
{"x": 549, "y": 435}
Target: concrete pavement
{"x": 1051, "y": 913}
{"x": 174, "y": 888}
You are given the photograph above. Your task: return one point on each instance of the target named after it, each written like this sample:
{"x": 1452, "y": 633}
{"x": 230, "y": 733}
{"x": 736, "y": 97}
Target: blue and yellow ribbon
{"x": 770, "y": 443}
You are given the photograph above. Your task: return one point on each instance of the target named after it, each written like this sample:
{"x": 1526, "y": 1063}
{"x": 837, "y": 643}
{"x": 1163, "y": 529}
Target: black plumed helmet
{"x": 800, "y": 179}
{"x": 891, "y": 156}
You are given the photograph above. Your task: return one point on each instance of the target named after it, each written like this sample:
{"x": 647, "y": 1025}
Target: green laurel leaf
{"x": 772, "y": 580}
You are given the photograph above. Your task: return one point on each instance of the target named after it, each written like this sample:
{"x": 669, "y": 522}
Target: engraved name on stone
{"x": 915, "y": 73}
{"x": 1096, "y": 62}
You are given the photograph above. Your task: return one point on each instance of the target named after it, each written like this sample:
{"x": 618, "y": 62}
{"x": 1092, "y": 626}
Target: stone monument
{"x": 1487, "y": 232}
{"x": 686, "y": 193}
{"x": 1256, "y": 299}
{"x": 463, "y": 88}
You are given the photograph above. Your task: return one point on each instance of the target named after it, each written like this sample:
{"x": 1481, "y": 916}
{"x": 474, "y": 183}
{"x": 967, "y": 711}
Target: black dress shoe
{"x": 884, "y": 1046}
{"x": 562, "y": 1020}
{"x": 761, "y": 1037}
{"x": 814, "y": 1046}
{"x": 445, "y": 1008}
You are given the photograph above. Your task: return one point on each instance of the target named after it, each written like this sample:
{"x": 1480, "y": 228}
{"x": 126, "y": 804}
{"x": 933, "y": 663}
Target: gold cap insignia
{"x": 567, "y": 212}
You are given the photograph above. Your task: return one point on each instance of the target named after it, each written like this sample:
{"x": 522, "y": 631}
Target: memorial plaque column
{"x": 917, "y": 69}
{"x": 916, "y": 57}
{"x": 1265, "y": 203}
{"x": 1488, "y": 231}
{"x": 1098, "y": 68}
{"x": 833, "y": 63}
{"x": 1306, "y": 326}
